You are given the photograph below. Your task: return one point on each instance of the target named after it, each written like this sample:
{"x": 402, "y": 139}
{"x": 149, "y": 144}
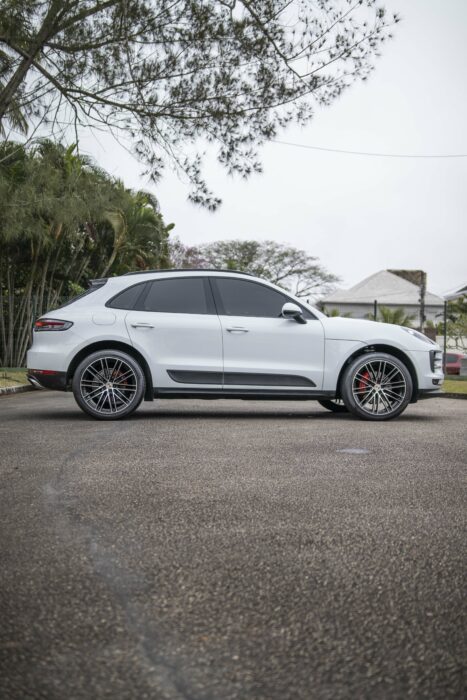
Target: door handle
{"x": 141, "y": 325}
{"x": 237, "y": 329}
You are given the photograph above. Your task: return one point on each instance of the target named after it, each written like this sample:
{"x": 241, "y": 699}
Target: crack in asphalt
{"x": 161, "y": 674}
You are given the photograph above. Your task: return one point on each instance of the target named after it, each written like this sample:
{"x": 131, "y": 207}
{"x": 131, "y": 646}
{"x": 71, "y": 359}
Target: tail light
{"x": 52, "y": 324}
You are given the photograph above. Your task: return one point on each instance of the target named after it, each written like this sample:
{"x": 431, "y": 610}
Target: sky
{"x": 356, "y": 214}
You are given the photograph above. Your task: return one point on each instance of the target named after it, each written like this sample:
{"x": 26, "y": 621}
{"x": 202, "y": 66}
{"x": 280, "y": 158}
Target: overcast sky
{"x": 357, "y": 214}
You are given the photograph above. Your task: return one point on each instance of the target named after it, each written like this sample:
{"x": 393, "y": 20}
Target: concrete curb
{"x": 7, "y": 390}
{"x": 450, "y": 395}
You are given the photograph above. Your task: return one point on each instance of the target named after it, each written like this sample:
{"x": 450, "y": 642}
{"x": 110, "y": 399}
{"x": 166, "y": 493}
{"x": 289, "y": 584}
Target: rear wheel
{"x": 376, "y": 386}
{"x": 109, "y": 385}
{"x": 334, "y": 405}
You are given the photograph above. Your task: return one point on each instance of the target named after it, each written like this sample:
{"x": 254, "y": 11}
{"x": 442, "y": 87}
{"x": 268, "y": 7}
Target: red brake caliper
{"x": 363, "y": 383}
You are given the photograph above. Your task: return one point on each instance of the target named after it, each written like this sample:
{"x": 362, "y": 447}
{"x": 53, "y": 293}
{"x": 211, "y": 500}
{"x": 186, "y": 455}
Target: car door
{"x": 261, "y": 348}
{"x": 176, "y": 327}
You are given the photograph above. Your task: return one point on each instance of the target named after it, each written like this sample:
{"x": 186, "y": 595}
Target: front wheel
{"x": 108, "y": 385}
{"x": 376, "y": 386}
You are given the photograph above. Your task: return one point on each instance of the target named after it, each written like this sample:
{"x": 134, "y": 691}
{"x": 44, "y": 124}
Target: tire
{"x": 108, "y": 385}
{"x": 334, "y": 405}
{"x": 376, "y": 386}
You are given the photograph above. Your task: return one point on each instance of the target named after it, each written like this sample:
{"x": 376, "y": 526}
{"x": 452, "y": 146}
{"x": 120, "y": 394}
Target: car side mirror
{"x": 293, "y": 312}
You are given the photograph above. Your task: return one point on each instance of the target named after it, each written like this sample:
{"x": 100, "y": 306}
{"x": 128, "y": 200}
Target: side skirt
{"x": 247, "y": 394}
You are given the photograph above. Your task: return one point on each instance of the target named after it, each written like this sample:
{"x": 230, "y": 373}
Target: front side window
{"x": 244, "y": 298}
{"x": 186, "y": 295}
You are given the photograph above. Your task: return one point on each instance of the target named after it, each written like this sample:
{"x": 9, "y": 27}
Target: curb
{"x": 7, "y": 390}
{"x": 450, "y": 395}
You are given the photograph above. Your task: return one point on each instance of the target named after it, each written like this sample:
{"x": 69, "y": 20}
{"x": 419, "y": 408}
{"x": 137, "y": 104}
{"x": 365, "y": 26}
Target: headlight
{"x": 418, "y": 335}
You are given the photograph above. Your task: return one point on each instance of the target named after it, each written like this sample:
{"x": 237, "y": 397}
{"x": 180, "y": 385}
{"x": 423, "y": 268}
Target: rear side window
{"x": 186, "y": 295}
{"x": 95, "y": 285}
{"x": 128, "y": 298}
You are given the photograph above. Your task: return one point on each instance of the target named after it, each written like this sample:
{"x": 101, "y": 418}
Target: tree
{"x": 396, "y": 316}
{"x": 288, "y": 267}
{"x": 456, "y": 329}
{"x": 182, "y": 256}
{"x": 168, "y": 73}
{"x": 140, "y": 237}
{"x": 63, "y": 221}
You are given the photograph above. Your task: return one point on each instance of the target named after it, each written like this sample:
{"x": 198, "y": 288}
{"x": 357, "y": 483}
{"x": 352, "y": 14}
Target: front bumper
{"x": 429, "y": 378}
{"x": 430, "y": 393}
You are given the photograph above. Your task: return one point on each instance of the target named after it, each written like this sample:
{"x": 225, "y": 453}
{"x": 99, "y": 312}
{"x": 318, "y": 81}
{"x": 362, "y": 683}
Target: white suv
{"x": 224, "y": 334}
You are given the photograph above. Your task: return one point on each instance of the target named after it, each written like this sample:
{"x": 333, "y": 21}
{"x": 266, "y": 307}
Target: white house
{"x": 388, "y": 289}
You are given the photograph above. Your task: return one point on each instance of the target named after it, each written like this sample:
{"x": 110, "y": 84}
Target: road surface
{"x": 210, "y": 550}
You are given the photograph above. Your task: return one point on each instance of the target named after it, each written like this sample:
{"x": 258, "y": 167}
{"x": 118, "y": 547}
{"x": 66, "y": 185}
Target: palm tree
{"x": 63, "y": 221}
{"x": 398, "y": 316}
{"x": 140, "y": 237}
{"x": 332, "y": 313}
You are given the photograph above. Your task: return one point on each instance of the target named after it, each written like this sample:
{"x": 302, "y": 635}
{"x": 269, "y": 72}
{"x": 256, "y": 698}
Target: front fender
{"x": 336, "y": 354}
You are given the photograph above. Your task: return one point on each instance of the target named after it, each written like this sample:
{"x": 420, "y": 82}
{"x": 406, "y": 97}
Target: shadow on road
{"x": 224, "y": 415}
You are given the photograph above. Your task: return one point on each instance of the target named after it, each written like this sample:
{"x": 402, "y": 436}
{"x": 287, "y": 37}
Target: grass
{"x": 14, "y": 376}
{"x": 455, "y": 385}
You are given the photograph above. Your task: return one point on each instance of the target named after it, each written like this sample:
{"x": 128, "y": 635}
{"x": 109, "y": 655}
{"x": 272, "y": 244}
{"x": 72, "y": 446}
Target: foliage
{"x": 288, "y": 267}
{"x": 455, "y": 386}
{"x": 396, "y": 316}
{"x": 12, "y": 377}
{"x": 334, "y": 313}
{"x": 436, "y": 326}
{"x": 167, "y": 73}
{"x": 182, "y": 256}
{"x": 457, "y": 323}
{"x": 63, "y": 221}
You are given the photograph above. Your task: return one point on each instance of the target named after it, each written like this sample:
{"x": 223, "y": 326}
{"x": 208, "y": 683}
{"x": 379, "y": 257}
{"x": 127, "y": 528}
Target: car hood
{"x": 373, "y": 332}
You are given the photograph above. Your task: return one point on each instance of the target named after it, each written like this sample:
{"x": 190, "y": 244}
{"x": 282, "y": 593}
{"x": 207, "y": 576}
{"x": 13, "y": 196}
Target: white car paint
{"x": 317, "y": 350}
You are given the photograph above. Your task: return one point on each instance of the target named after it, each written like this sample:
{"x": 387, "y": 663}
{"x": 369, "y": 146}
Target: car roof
{"x": 189, "y": 269}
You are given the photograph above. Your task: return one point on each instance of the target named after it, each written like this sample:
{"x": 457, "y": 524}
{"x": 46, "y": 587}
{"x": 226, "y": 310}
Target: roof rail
{"x": 190, "y": 269}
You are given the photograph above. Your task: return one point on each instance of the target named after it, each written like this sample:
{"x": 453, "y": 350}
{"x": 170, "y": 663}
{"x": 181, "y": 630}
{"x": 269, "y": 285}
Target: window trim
{"x": 220, "y": 307}
{"x": 122, "y": 291}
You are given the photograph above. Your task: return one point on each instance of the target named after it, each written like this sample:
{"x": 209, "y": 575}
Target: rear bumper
{"x": 47, "y": 379}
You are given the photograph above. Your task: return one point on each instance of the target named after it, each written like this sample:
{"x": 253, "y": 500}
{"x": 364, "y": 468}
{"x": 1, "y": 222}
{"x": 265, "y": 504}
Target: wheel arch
{"x": 390, "y": 350}
{"x": 113, "y": 345}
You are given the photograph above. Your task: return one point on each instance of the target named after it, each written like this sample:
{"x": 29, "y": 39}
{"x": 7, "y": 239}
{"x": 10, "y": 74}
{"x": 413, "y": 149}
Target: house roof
{"x": 387, "y": 288}
{"x": 457, "y": 292}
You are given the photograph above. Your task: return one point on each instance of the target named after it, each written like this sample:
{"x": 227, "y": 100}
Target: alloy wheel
{"x": 379, "y": 387}
{"x": 108, "y": 385}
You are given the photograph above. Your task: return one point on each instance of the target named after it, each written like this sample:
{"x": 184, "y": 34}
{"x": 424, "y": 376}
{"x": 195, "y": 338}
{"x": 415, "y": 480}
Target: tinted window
{"x": 177, "y": 296}
{"x": 451, "y": 358}
{"x": 97, "y": 284}
{"x": 242, "y": 298}
{"x": 128, "y": 298}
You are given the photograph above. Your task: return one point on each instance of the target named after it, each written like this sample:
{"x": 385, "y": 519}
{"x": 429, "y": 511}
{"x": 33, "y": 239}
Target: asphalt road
{"x": 222, "y": 550}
